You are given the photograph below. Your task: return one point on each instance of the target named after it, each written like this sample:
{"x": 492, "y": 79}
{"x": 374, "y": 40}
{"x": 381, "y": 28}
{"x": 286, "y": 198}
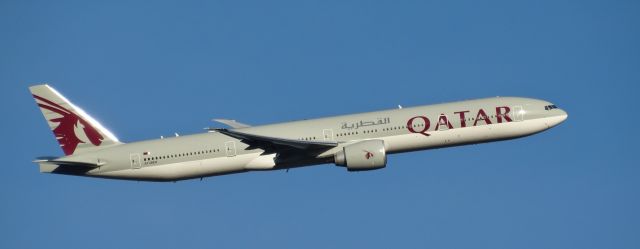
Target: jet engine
{"x": 365, "y": 155}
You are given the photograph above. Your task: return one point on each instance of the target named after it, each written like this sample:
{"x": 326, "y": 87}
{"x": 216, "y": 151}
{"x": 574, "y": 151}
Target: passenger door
{"x": 327, "y": 134}
{"x": 135, "y": 161}
{"x": 230, "y": 148}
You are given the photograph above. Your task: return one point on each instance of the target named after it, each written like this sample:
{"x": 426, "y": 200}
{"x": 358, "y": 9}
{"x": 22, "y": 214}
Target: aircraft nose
{"x": 563, "y": 115}
{"x": 558, "y": 118}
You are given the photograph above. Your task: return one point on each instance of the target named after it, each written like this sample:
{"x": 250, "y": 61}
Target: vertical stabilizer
{"x": 74, "y": 129}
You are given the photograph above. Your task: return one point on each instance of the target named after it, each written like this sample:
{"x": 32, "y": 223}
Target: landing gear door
{"x": 518, "y": 113}
{"x": 135, "y": 161}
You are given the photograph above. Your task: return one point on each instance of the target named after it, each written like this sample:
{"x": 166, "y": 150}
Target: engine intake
{"x": 365, "y": 155}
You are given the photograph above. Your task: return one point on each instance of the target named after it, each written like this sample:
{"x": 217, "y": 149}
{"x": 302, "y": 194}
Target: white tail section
{"x": 74, "y": 129}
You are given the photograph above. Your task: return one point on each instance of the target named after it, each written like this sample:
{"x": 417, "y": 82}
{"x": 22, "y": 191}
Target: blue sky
{"x": 151, "y": 69}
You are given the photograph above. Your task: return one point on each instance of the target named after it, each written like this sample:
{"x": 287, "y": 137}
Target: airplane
{"x": 358, "y": 142}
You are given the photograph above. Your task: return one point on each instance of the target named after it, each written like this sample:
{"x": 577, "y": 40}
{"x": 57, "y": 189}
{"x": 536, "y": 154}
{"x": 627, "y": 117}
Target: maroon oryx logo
{"x": 65, "y": 131}
{"x": 368, "y": 155}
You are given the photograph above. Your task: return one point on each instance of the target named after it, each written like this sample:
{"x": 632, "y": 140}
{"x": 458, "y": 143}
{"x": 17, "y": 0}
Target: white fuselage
{"x": 402, "y": 130}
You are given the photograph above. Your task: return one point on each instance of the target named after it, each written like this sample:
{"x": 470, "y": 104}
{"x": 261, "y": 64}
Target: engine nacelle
{"x": 365, "y": 155}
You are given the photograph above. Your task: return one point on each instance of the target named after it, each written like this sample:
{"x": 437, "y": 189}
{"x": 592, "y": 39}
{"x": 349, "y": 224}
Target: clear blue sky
{"x": 150, "y": 69}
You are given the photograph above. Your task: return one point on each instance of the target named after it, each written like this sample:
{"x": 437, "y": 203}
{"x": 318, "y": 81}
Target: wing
{"x": 232, "y": 123}
{"x": 266, "y": 142}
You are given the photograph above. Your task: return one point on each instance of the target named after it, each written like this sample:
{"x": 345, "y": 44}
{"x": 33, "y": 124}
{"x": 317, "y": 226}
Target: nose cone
{"x": 563, "y": 115}
{"x": 558, "y": 117}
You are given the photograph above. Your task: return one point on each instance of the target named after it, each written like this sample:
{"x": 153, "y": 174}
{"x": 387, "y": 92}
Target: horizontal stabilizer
{"x": 51, "y": 160}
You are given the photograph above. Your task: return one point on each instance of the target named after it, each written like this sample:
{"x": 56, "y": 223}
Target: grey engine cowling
{"x": 365, "y": 155}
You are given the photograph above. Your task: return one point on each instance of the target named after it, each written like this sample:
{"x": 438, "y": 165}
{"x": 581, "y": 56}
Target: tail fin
{"x": 74, "y": 129}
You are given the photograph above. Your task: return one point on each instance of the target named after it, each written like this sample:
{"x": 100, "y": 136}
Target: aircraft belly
{"x": 185, "y": 170}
